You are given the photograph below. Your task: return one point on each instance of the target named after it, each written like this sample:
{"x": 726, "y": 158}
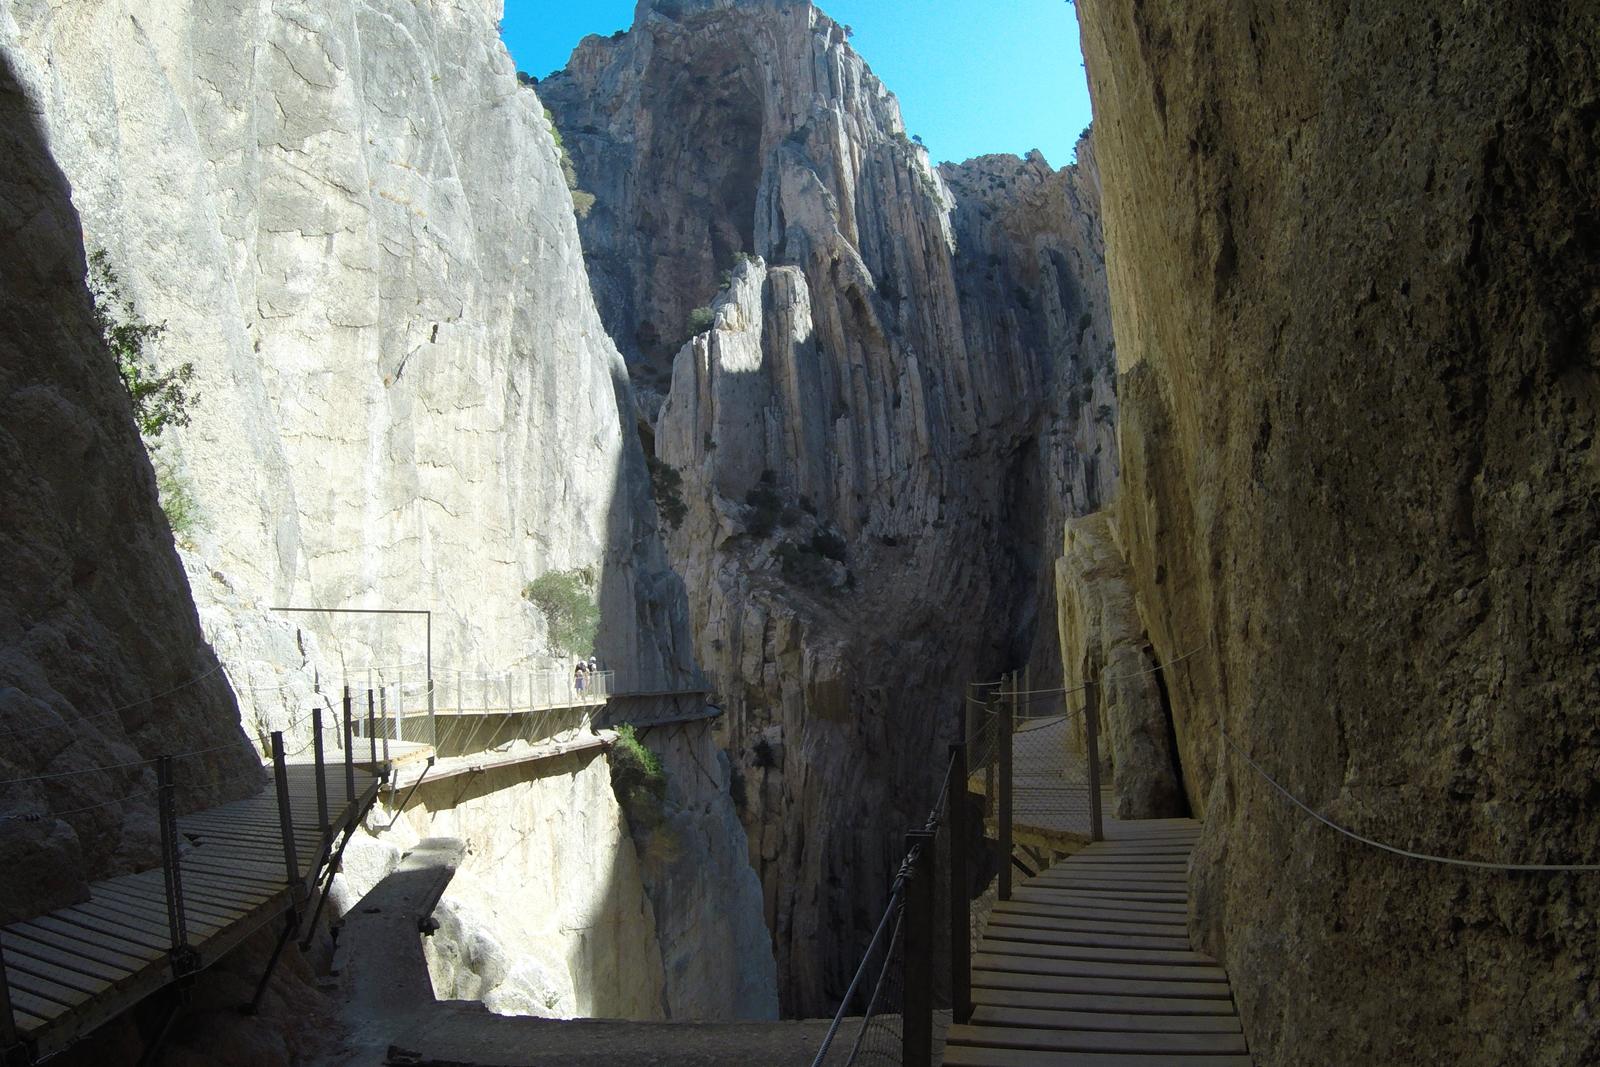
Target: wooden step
{"x": 974, "y": 1056}
{"x": 1019, "y": 963}
{"x": 1001, "y": 997}
{"x": 1150, "y": 1043}
{"x": 1044, "y": 1018}
{"x": 1131, "y": 987}
{"x": 1014, "y": 928}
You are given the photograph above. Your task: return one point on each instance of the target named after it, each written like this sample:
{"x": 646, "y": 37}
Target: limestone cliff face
{"x": 861, "y": 432}
{"x": 102, "y": 662}
{"x": 1352, "y": 259}
{"x": 354, "y": 224}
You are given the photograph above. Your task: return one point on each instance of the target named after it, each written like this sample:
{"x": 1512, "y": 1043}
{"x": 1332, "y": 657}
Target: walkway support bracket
{"x": 1005, "y": 724}
{"x": 1091, "y": 737}
{"x": 916, "y": 1020}
{"x": 960, "y": 890}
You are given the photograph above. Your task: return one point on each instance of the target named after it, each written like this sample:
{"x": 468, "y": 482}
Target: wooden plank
{"x": 48, "y": 991}
{"x": 86, "y": 985}
{"x": 1167, "y": 935}
{"x": 1095, "y": 914}
{"x": 1021, "y": 963}
{"x": 45, "y": 1011}
{"x": 134, "y": 920}
{"x": 971, "y": 1056}
{"x": 64, "y": 955}
{"x": 1102, "y": 896}
{"x": 1048, "y": 983}
{"x": 1158, "y": 891}
{"x": 1065, "y": 935}
{"x": 198, "y": 907}
{"x": 85, "y": 939}
{"x": 1137, "y": 1043}
{"x": 1055, "y": 898}
{"x": 1119, "y": 954}
{"x": 1116, "y": 1004}
{"x": 144, "y": 915}
{"x": 1043, "y": 1018}
{"x": 1071, "y": 873}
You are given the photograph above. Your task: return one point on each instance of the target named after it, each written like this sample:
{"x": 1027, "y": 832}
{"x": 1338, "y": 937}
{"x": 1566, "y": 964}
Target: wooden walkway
{"x": 1089, "y": 965}
{"x": 75, "y": 968}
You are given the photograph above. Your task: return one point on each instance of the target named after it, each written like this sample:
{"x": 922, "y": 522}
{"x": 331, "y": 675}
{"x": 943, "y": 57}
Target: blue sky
{"x": 973, "y": 76}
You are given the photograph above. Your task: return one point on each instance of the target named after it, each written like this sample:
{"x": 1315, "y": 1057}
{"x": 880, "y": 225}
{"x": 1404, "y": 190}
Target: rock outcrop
{"x": 1103, "y": 645}
{"x": 102, "y": 663}
{"x": 859, "y": 373}
{"x": 1352, "y": 253}
{"x": 353, "y": 222}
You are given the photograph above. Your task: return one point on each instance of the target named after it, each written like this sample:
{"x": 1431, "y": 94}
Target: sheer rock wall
{"x": 1352, "y": 253}
{"x": 863, "y": 434}
{"x": 353, "y": 222}
{"x": 102, "y": 662}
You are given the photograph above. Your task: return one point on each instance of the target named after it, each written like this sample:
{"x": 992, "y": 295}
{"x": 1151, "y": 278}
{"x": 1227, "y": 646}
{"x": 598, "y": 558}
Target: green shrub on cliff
{"x": 637, "y": 776}
{"x": 700, "y": 320}
{"x": 159, "y": 399}
{"x": 571, "y": 612}
{"x": 666, "y": 485}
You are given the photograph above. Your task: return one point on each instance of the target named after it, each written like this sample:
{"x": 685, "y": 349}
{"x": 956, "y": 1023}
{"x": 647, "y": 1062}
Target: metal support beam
{"x": 1091, "y": 737}
{"x": 916, "y": 1020}
{"x": 960, "y": 890}
{"x": 349, "y": 754}
{"x": 322, "y": 775}
{"x": 280, "y": 772}
{"x": 1005, "y": 754}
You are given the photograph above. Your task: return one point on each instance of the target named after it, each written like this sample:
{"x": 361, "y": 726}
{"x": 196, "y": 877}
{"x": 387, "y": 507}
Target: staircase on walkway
{"x": 1089, "y": 965}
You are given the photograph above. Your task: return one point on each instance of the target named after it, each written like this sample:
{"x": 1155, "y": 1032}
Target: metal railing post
{"x": 1091, "y": 738}
{"x": 171, "y": 871}
{"x": 916, "y": 1019}
{"x": 322, "y": 772}
{"x": 372, "y": 727}
{"x": 280, "y": 772}
{"x": 349, "y": 753}
{"x": 8, "y": 1023}
{"x": 1003, "y": 744}
{"x": 383, "y": 711}
{"x": 960, "y": 890}
{"x": 433, "y": 723}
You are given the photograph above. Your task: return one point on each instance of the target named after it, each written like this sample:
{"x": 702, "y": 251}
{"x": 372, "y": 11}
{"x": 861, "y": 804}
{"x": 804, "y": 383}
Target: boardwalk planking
{"x": 74, "y": 968}
{"x": 1089, "y": 964}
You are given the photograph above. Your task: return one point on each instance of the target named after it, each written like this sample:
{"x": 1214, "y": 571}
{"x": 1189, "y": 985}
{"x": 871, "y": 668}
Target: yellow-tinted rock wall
{"x": 1352, "y": 251}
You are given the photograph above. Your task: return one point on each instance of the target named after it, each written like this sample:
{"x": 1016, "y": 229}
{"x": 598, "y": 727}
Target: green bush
{"x": 159, "y": 400}
{"x": 829, "y": 544}
{"x": 803, "y": 565}
{"x": 571, "y": 611}
{"x": 666, "y": 485}
{"x": 582, "y": 203}
{"x": 764, "y": 507}
{"x": 700, "y": 320}
{"x": 636, "y": 772}
{"x": 177, "y": 501}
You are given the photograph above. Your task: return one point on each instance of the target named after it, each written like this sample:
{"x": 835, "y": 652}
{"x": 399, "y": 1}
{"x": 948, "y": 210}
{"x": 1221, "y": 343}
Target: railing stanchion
{"x": 280, "y": 772}
{"x": 916, "y": 1019}
{"x": 1091, "y": 737}
{"x": 433, "y": 723}
{"x": 372, "y": 727}
{"x": 383, "y": 710}
{"x": 322, "y": 773}
{"x": 960, "y": 890}
{"x": 8, "y": 1024}
{"x": 171, "y": 871}
{"x": 349, "y": 753}
{"x": 1003, "y": 744}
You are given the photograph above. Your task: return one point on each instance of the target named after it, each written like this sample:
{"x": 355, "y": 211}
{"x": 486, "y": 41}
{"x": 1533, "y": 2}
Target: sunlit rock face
{"x": 353, "y": 222}
{"x": 1352, "y": 259}
{"x": 865, "y": 432}
{"x": 102, "y": 663}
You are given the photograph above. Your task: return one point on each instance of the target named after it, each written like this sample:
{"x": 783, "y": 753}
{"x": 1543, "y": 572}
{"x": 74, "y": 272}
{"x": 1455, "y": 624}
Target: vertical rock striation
{"x": 865, "y": 372}
{"x": 102, "y": 663}
{"x": 354, "y": 223}
{"x": 1353, "y": 262}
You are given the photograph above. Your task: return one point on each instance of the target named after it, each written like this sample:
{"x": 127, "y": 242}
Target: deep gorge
{"x": 1287, "y": 382}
